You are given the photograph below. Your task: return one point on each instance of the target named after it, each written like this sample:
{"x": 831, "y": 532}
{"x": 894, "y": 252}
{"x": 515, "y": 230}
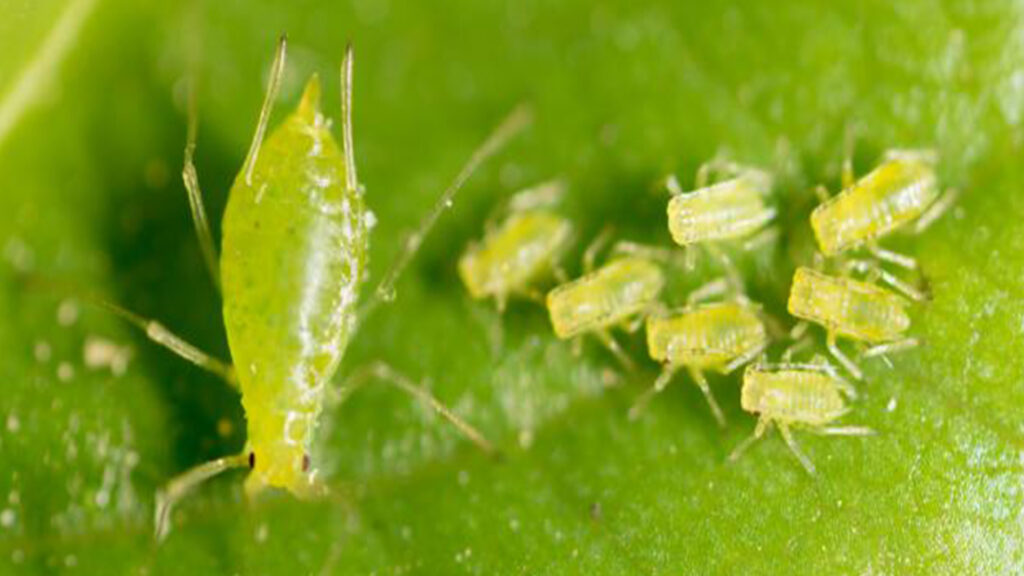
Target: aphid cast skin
{"x": 720, "y": 336}
{"x": 295, "y": 241}
{"x": 521, "y": 251}
{"x": 902, "y": 189}
{"x": 622, "y": 290}
{"x": 808, "y": 396}
{"x": 852, "y": 309}
{"x": 733, "y": 208}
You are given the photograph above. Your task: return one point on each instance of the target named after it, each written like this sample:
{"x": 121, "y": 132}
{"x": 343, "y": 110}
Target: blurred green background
{"x": 624, "y": 93}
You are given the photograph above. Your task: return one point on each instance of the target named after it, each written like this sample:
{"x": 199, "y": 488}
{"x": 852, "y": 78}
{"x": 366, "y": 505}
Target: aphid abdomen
{"x": 792, "y": 395}
{"x": 605, "y": 297}
{"x": 896, "y": 192}
{"x": 731, "y": 209}
{"x": 515, "y": 255}
{"x": 294, "y": 253}
{"x": 707, "y": 337}
{"x": 848, "y": 307}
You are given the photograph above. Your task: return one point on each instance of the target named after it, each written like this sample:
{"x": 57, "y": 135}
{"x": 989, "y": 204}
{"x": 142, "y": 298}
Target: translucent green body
{"x": 606, "y": 297}
{"x": 710, "y": 336}
{"x": 850, "y": 308}
{"x": 509, "y": 259}
{"x": 793, "y": 394}
{"x": 896, "y": 192}
{"x": 294, "y": 252}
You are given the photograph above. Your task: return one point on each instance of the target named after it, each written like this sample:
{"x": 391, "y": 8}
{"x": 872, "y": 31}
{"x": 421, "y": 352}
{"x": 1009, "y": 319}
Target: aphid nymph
{"x": 720, "y": 336}
{"x": 730, "y": 209}
{"x": 520, "y": 251}
{"x": 853, "y": 309}
{"x": 807, "y": 396}
{"x": 294, "y": 254}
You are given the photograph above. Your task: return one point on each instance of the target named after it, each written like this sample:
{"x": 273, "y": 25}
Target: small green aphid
{"x": 524, "y": 249}
{"x": 294, "y": 254}
{"x": 807, "y": 396}
{"x": 620, "y": 293}
{"x": 902, "y": 189}
{"x": 734, "y": 207}
{"x": 720, "y": 336}
{"x": 853, "y": 309}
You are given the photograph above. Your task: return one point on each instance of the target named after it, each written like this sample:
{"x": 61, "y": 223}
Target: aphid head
{"x": 281, "y": 465}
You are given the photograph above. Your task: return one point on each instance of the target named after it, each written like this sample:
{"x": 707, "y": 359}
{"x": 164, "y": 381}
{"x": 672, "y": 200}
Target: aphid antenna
{"x": 180, "y": 486}
{"x": 195, "y": 195}
{"x": 937, "y": 209}
{"x": 513, "y": 124}
{"x": 596, "y": 246}
{"x": 928, "y": 155}
{"x": 351, "y": 179}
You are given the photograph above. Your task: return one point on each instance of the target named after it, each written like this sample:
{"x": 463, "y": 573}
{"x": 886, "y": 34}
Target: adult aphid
{"x": 807, "y": 396}
{"x": 720, "y": 336}
{"x": 520, "y": 251}
{"x": 731, "y": 208}
{"x": 620, "y": 293}
{"x": 294, "y": 253}
{"x": 902, "y": 189}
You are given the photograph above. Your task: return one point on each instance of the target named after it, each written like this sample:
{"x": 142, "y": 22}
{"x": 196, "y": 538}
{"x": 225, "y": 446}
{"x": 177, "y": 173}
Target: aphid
{"x": 524, "y": 249}
{"x": 720, "y": 336}
{"x": 808, "y": 396}
{"x": 903, "y": 188}
{"x": 619, "y": 293}
{"x": 295, "y": 242}
{"x": 733, "y": 208}
{"x": 853, "y": 309}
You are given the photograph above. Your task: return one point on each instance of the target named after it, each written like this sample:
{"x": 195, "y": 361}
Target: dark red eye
{"x": 252, "y": 459}
{"x": 305, "y": 462}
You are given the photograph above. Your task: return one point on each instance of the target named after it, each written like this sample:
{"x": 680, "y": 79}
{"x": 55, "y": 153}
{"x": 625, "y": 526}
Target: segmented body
{"x": 710, "y": 336}
{"x": 518, "y": 253}
{"x": 793, "y": 394}
{"x": 847, "y": 307}
{"x": 295, "y": 241}
{"x": 606, "y": 297}
{"x": 730, "y": 209}
{"x": 898, "y": 191}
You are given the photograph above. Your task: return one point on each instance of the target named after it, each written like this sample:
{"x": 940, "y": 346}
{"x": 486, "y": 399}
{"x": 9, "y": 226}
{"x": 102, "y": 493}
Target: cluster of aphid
{"x": 294, "y": 255}
{"x": 729, "y": 205}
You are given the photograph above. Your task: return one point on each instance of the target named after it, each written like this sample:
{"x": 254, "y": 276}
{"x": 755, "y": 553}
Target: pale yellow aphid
{"x": 853, "y": 309}
{"x": 808, "y": 396}
{"x": 902, "y": 189}
{"x": 720, "y": 336}
{"x": 521, "y": 251}
{"x": 733, "y": 208}
{"x": 619, "y": 293}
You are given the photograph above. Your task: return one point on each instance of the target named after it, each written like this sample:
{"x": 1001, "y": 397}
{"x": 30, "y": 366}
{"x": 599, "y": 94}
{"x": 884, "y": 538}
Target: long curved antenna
{"x": 195, "y": 193}
{"x": 180, "y": 486}
{"x": 273, "y": 85}
{"x": 351, "y": 181}
{"x": 513, "y": 124}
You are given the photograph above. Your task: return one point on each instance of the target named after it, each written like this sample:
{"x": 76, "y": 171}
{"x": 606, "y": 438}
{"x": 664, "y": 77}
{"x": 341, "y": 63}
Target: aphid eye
{"x": 252, "y": 459}
{"x": 305, "y": 462}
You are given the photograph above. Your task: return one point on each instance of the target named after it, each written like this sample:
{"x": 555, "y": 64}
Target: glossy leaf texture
{"x": 93, "y": 419}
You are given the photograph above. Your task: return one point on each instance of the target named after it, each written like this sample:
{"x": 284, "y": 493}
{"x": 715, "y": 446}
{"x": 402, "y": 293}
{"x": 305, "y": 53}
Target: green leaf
{"x": 623, "y": 94}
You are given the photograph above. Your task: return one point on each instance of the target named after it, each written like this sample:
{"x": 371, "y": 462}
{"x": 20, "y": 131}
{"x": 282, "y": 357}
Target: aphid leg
{"x": 937, "y": 210}
{"x": 795, "y": 348}
{"x": 273, "y": 84}
{"x": 759, "y": 430}
{"x": 844, "y": 431}
{"x": 787, "y": 435}
{"x": 799, "y": 330}
{"x": 727, "y": 265}
{"x": 702, "y": 383}
{"x": 709, "y": 290}
{"x": 901, "y": 286}
{"x": 763, "y": 238}
{"x": 159, "y": 334}
{"x": 890, "y": 347}
{"x": 745, "y": 358}
{"x": 662, "y": 382}
{"x": 666, "y": 255}
{"x": 385, "y": 373}
{"x": 891, "y": 257}
{"x": 632, "y": 326}
{"x": 843, "y": 359}
{"x": 509, "y": 127}
{"x": 595, "y": 247}
{"x": 612, "y": 345}
{"x": 195, "y": 193}
{"x": 181, "y": 485}
{"x": 703, "y": 175}
{"x": 673, "y": 186}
